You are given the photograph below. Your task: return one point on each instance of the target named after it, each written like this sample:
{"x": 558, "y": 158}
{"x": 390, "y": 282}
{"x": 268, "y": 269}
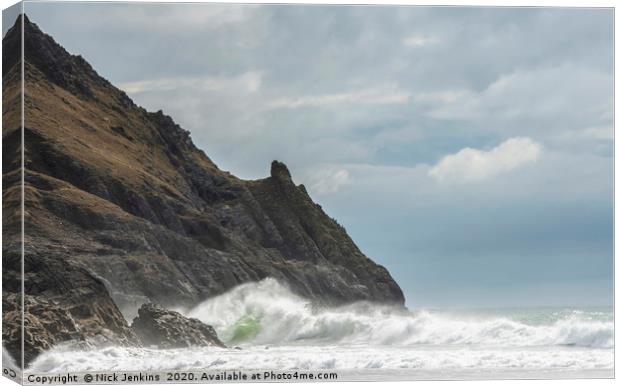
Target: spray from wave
{"x": 278, "y": 330}
{"x": 267, "y": 313}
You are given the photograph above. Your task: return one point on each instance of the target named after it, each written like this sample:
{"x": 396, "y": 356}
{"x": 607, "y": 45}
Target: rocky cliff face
{"x": 122, "y": 209}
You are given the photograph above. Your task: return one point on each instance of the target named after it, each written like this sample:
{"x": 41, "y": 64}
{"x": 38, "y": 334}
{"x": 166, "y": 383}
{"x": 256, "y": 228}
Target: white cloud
{"x": 248, "y": 81}
{"x": 328, "y": 180}
{"x": 441, "y": 96}
{"x": 419, "y": 41}
{"x": 474, "y": 165}
{"x": 369, "y": 96}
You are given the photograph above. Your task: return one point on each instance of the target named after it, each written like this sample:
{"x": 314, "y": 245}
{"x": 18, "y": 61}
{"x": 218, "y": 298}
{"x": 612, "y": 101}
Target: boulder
{"x": 156, "y": 326}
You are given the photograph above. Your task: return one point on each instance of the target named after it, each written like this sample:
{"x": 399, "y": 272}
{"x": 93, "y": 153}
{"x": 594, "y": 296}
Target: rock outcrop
{"x": 158, "y": 327}
{"x": 121, "y": 208}
{"x": 47, "y": 322}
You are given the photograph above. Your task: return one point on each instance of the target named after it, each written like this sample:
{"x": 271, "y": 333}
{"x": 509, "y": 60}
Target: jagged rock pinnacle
{"x": 280, "y": 171}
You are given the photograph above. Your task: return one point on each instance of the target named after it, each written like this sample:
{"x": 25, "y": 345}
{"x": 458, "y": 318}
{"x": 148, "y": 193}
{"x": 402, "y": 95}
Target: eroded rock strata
{"x": 123, "y": 209}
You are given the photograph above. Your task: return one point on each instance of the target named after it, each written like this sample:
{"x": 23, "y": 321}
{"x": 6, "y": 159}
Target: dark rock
{"x": 156, "y": 326}
{"x": 47, "y": 323}
{"x": 279, "y": 171}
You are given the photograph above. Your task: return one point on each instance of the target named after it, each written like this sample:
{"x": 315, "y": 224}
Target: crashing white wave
{"x": 278, "y": 330}
{"x": 267, "y": 313}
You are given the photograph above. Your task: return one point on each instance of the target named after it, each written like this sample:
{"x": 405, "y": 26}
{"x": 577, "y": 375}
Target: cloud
{"x": 539, "y": 95}
{"x": 249, "y": 81}
{"x": 328, "y": 180}
{"x": 368, "y": 96}
{"x": 441, "y": 96}
{"x": 596, "y": 132}
{"x": 163, "y": 17}
{"x": 474, "y": 165}
{"x": 419, "y": 41}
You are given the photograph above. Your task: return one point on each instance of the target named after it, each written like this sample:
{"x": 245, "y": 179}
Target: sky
{"x": 469, "y": 150}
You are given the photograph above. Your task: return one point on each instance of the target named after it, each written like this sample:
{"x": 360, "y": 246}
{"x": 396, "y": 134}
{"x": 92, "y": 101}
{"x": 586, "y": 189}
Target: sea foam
{"x": 277, "y": 329}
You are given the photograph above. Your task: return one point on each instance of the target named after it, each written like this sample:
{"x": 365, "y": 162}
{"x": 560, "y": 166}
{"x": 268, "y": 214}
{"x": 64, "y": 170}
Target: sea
{"x": 266, "y": 326}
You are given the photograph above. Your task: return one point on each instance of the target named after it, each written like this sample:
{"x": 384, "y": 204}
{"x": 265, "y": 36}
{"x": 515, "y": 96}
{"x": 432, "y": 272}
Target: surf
{"x": 277, "y": 329}
{"x": 268, "y": 313}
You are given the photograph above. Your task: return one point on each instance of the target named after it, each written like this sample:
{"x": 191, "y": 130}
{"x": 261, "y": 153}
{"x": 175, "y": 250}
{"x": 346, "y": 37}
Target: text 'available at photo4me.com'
{"x": 176, "y": 377}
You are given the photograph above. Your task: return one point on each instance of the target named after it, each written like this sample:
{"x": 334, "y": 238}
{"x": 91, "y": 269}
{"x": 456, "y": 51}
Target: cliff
{"x": 121, "y": 208}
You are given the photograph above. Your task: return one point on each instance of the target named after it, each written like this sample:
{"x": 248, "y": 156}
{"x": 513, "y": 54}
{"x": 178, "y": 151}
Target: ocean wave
{"x": 278, "y": 330}
{"x": 268, "y": 313}
{"x": 64, "y": 359}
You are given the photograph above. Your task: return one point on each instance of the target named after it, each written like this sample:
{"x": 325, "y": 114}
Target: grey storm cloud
{"x": 377, "y": 109}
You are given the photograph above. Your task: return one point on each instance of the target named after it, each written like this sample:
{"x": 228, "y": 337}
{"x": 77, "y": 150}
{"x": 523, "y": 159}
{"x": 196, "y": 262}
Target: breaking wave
{"x": 275, "y": 329}
{"x": 268, "y": 313}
